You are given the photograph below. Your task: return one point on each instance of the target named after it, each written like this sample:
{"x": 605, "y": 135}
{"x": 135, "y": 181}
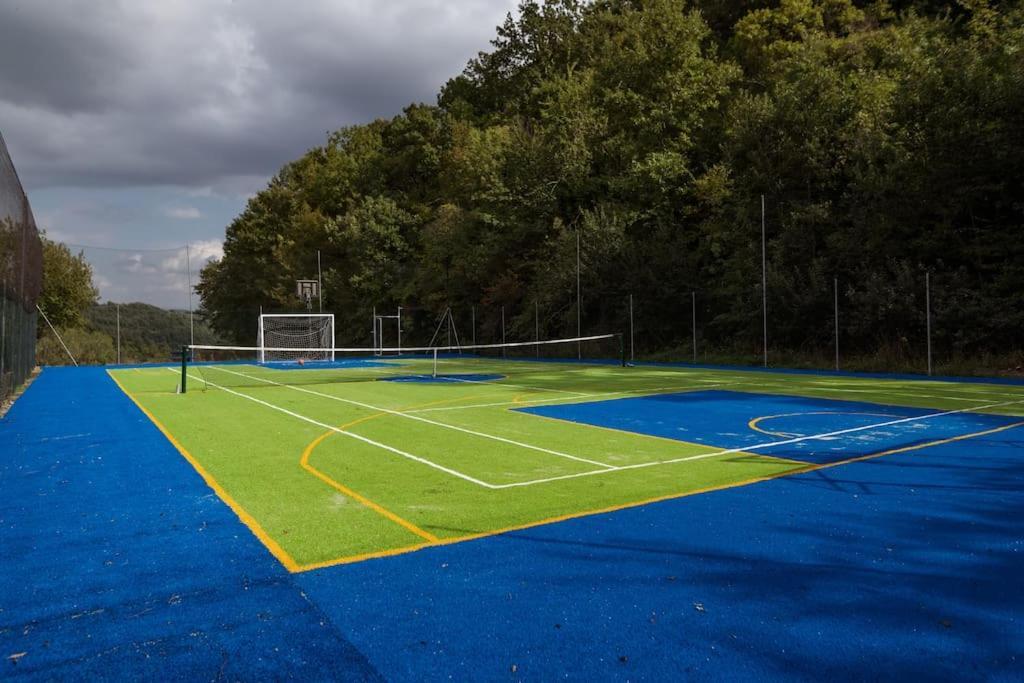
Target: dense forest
{"x": 887, "y": 139}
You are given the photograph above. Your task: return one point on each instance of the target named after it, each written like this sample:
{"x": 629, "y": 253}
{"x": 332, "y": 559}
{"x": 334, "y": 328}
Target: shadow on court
{"x": 902, "y": 567}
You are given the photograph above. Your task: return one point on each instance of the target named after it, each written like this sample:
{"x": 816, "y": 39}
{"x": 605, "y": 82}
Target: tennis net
{"x": 228, "y": 367}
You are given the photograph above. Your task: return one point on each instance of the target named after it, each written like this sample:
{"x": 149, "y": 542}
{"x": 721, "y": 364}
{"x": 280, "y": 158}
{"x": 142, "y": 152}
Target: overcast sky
{"x": 145, "y": 124}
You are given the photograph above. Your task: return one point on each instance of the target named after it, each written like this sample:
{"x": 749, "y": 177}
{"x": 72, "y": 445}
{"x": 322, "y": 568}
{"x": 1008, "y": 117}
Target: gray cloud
{"x": 213, "y": 93}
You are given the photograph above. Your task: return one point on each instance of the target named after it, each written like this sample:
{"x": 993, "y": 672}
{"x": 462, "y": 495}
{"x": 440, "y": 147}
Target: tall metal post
{"x": 693, "y": 323}
{"x": 117, "y": 308}
{"x": 835, "y": 295}
{"x": 928, "y": 316}
{"x": 536, "y": 326}
{"x": 399, "y": 330}
{"x": 579, "y": 315}
{"x": 764, "y": 286}
{"x": 375, "y": 329}
{"x": 632, "y": 352}
{"x": 191, "y": 322}
{"x": 320, "y": 284}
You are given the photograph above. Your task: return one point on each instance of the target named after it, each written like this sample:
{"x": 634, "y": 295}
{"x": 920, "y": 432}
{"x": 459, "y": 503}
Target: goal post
{"x": 310, "y": 334}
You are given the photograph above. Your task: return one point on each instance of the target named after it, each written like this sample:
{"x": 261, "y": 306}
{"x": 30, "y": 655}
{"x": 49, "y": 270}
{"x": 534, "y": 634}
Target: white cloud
{"x": 185, "y": 213}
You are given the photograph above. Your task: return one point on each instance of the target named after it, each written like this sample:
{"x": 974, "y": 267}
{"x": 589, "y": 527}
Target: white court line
{"x": 399, "y": 413}
{"x": 756, "y": 447}
{"x": 410, "y": 456}
{"x": 530, "y": 401}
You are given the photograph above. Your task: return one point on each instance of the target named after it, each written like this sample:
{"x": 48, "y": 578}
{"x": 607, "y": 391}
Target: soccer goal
{"x": 311, "y": 335}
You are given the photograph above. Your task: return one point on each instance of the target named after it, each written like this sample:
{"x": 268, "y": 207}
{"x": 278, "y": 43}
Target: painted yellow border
{"x": 248, "y": 520}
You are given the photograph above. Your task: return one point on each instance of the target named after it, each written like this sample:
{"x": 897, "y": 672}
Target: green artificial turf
{"x": 349, "y": 498}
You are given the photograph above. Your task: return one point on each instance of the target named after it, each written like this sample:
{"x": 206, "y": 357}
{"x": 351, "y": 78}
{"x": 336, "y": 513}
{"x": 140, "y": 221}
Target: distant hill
{"x": 148, "y": 332}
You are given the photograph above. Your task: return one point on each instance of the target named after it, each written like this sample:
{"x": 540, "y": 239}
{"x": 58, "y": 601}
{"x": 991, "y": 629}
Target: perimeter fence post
{"x": 835, "y": 297}
{"x": 764, "y": 285}
{"x": 632, "y": 350}
{"x": 693, "y": 311}
{"x": 928, "y": 316}
{"x": 536, "y": 326}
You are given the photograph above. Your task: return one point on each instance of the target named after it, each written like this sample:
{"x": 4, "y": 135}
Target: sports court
{"x": 490, "y": 517}
{"x": 363, "y": 457}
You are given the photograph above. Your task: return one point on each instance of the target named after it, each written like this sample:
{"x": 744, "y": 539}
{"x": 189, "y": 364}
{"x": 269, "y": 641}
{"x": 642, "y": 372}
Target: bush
{"x": 88, "y": 348}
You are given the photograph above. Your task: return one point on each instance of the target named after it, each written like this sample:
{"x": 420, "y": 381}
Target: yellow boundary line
{"x": 376, "y": 507}
{"x": 379, "y": 509}
{"x": 248, "y": 520}
{"x": 624, "y": 506}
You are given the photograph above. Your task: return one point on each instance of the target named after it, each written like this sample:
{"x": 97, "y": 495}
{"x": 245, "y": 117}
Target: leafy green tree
{"x": 68, "y": 290}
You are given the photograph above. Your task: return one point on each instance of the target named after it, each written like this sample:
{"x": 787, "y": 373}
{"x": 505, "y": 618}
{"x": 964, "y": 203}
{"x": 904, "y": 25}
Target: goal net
{"x": 310, "y": 334}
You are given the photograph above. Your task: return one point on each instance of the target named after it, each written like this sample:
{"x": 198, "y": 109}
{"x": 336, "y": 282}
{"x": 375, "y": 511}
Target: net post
{"x": 184, "y": 368}
{"x": 434, "y": 375}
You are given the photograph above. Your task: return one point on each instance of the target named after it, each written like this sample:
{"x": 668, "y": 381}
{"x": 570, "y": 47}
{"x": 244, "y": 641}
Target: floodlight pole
{"x": 117, "y": 307}
{"x": 375, "y": 329}
{"x": 764, "y": 286}
{"x": 835, "y": 296}
{"x": 928, "y": 316}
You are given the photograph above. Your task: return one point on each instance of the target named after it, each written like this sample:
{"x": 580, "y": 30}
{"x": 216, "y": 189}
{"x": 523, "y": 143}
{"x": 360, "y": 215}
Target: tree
{"x": 68, "y": 290}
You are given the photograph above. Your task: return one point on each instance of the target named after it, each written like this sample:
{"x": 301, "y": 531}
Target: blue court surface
{"x": 118, "y": 562}
{"x": 807, "y": 429}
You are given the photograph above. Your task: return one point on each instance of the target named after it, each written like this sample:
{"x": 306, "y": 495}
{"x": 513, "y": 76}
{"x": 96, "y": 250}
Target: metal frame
{"x": 261, "y": 341}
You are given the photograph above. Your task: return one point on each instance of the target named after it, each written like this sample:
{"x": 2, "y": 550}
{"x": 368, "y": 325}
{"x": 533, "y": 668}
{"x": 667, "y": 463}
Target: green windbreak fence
{"x": 21, "y": 279}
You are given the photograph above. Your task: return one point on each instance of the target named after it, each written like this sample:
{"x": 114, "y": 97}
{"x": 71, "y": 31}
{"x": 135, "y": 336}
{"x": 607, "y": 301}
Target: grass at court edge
{"x": 334, "y": 472}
